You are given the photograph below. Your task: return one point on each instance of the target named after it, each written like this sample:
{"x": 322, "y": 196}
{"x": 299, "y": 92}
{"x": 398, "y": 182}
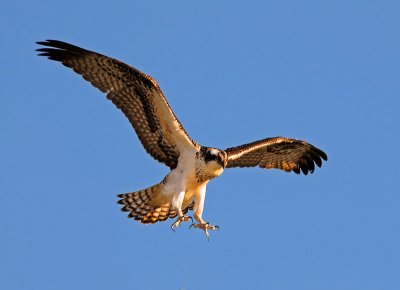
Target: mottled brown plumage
{"x": 136, "y": 94}
{"x": 149, "y": 205}
{"x": 279, "y": 152}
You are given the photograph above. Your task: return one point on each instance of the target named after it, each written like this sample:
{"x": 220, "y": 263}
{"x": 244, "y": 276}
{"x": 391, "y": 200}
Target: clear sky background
{"x": 234, "y": 72}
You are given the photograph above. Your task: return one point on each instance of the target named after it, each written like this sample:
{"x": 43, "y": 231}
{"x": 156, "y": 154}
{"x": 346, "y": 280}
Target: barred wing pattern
{"x": 279, "y": 152}
{"x": 136, "y": 94}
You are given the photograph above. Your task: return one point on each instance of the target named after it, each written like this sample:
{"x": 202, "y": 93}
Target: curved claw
{"x": 205, "y": 227}
{"x": 208, "y": 226}
{"x": 173, "y": 226}
{"x": 179, "y": 221}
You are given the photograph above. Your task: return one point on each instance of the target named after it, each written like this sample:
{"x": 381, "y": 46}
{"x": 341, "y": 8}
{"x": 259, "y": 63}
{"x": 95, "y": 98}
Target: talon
{"x": 205, "y": 227}
{"x": 179, "y": 220}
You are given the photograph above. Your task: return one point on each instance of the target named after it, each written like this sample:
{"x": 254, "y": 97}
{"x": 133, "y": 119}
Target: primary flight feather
{"x": 192, "y": 165}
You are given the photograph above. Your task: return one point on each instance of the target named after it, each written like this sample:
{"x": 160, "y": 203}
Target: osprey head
{"x": 214, "y": 154}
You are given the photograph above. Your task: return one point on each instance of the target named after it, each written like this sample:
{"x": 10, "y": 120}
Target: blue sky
{"x": 323, "y": 71}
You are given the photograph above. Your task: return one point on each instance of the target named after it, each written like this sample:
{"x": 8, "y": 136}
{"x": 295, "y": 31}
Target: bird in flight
{"x": 192, "y": 165}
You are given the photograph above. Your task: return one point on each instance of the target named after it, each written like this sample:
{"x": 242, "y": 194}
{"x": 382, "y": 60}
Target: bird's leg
{"x": 180, "y": 219}
{"x": 177, "y": 204}
{"x": 205, "y": 227}
{"x": 198, "y": 210}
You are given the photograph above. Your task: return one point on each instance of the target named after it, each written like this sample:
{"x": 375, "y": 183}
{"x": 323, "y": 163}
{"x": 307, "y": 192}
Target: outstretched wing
{"x": 136, "y": 94}
{"x": 279, "y": 152}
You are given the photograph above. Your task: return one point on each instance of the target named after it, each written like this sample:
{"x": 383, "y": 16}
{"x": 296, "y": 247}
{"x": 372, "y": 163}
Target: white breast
{"x": 183, "y": 176}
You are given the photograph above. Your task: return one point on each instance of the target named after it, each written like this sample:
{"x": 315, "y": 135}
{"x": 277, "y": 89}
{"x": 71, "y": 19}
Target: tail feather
{"x": 142, "y": 206}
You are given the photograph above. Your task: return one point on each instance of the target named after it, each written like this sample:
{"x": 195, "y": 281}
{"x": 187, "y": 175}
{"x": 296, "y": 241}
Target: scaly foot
{"x": 205, "y": 227}
{"x": 180, "y": 219}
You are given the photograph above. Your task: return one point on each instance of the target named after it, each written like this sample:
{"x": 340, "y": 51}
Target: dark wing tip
{"x": 59, "y": 50}
{"x": 316, "y": 154}
{"x": 304, "y": 166}
{"x": 313, "y": 158}
{"x": 58, "y": 44}
{"x": 323, "y": 155}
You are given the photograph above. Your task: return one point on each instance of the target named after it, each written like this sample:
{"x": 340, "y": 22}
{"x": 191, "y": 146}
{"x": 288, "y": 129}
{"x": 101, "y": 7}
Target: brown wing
{"x": 136, "y": 94}
{"x": 279, "y": 152}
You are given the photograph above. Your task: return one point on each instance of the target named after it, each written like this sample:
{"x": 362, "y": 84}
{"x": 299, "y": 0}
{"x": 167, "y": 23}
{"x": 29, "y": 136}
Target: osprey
{"x": 192, "y": 165}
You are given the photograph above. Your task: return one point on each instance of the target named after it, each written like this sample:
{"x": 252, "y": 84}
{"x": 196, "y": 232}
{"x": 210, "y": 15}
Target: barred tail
{"x": 144, "y": 205}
